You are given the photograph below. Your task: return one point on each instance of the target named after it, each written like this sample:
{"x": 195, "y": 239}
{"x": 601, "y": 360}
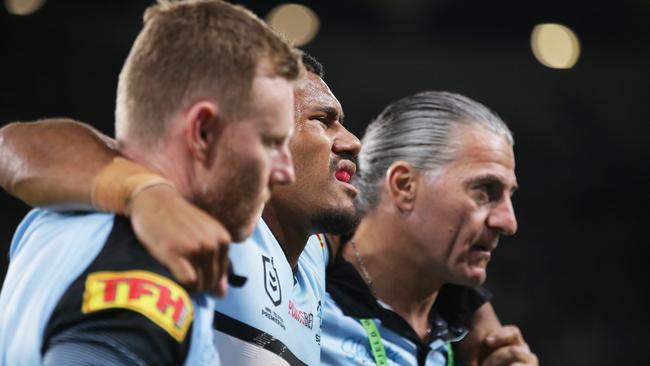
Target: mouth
{"x": 484, "y": 247}
{"x": 345, "y": 170}
{"x": 481, "y": 253}
{"x": 343, "y": 176}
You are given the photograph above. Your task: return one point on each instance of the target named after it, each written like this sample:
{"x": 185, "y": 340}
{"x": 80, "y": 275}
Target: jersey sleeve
{"x": 125, "y": 307}
{"x": 119, "y": 337}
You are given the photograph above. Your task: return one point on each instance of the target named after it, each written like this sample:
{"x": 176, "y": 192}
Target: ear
{"x": 203, "y": 124}
{"x": 401, "y": 179}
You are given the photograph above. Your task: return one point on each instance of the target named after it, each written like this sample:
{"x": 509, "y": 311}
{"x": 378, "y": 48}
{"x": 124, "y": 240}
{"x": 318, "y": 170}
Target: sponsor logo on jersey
{"x": 274, "y": 317}
{"x": 272, "y": 281}
{"x": 303, "y": 317}
{"x": 158, "y": 298}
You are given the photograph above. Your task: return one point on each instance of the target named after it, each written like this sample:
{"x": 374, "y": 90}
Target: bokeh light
{"x": 297, "y": 22}
{"x": 23, "y": 7}
{"x": 555, "y": 45}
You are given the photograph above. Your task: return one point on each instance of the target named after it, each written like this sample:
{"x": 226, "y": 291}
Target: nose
{"x": 282, "y": 172}
{"x": 346, "y": 143}
{"x": 502, "y": 218}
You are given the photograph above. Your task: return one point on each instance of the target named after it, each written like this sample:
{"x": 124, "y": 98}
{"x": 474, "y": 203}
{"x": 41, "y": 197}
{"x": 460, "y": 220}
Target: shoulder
{"x": 41, "y": 227}
{"x": 126, "y": 298}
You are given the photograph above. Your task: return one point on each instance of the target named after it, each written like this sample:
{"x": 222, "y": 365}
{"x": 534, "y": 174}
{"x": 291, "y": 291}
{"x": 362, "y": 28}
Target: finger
{"x": 532, "y": 361}
{"x": 216, "y": 272}
{"x": 184, "y": 273}
{"x": 509, "y": 355}
{"x": 506, "y": 335}
{"x": 200, "y": 283}
{"x": 205, "y": 262}
{"x": 222, "y": 287}
{"x": 217, "y": 263}
{"x": 224, "y": 263}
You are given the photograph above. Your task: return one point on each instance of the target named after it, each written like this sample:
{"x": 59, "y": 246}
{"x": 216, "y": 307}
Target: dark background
{"x": 574, "y": 277}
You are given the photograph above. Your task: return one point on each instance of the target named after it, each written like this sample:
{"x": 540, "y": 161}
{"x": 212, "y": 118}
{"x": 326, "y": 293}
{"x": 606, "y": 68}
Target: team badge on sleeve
{"x": 158, "y": 298}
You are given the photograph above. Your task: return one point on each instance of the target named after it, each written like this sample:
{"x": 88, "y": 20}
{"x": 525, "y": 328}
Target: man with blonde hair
{"x": 205, "y": 100}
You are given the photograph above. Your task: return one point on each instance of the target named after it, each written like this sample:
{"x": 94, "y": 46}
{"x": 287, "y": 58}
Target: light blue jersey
{"x": 346, "y": 342}
{"x": 349, "y": 302}
{"x": 50, "y": 252}
{"x": 39, "y": 273}
{"x": 275, "y": 318}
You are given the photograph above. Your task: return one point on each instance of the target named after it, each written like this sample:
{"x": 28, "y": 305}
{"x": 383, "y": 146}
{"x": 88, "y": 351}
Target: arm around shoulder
{"x": 52, "y": 162}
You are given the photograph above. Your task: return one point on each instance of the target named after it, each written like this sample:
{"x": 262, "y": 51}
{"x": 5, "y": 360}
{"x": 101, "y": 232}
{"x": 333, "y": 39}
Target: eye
{"x": 481, "y": 193}
{"x": 325, "y": 120}
{"x": 488, "y": 191}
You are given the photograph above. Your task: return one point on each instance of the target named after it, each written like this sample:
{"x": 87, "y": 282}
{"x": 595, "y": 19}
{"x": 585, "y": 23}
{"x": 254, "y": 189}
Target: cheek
{"x": 249, "y": 166}
{"x": 469, "y": 229}
{"x": 258, "y": 168}
{"x": 311, "y": 159}
{"x": 452, "y": 230}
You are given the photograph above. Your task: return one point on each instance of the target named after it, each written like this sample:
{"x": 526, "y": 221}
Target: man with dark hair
{"x": 80, "y": 289}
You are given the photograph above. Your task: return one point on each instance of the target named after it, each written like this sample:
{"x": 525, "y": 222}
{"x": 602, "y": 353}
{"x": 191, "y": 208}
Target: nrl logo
{"x": 271, "y": 281}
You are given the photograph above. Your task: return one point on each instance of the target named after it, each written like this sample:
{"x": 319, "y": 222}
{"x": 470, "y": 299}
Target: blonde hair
{"x": 195, "y": 49}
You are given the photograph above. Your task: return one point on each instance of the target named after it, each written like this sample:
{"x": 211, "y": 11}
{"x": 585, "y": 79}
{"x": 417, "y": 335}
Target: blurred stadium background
{"x": 574, "y": 92}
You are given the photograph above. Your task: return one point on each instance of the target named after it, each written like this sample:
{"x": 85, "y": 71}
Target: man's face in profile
{"x": 463, "y": 207}
{"x": 324, "y": 154}
{"x": 252, "y": 156}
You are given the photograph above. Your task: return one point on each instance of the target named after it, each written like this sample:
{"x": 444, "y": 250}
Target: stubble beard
{"x": 335, "y": 221}
{"x": 238, "y": 204}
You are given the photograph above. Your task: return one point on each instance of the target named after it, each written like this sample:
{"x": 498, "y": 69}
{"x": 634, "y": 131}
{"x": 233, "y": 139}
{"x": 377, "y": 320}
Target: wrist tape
{"x": 117, "y": 185}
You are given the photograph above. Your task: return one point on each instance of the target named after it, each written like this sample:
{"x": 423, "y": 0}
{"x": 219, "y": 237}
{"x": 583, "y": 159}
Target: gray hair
{"x": 417, "y": 129}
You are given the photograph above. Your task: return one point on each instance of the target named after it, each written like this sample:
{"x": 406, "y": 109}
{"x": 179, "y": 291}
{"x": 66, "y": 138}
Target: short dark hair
{"x": 312, "y": 65}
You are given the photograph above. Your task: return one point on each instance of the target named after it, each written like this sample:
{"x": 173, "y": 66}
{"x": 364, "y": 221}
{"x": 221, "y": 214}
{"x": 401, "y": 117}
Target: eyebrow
{"x": 490, "y": 178}
{"x": 331, "y": 112}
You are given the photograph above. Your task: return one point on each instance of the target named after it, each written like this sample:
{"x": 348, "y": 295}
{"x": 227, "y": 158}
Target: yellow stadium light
{"x": 297, "y": 22}
{"x": 555, "y": 45}
{"x": 23, "y": 7}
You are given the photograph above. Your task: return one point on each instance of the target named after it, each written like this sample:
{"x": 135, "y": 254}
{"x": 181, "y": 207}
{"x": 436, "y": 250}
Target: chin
{"x": 474, "y": 277}
{"x": 250, "y": 223}
{"x": 246, "y": 228}
{"x": 243, "y": 232}
{"x": 335, "y": 220}
{"x": 477, "y": 280}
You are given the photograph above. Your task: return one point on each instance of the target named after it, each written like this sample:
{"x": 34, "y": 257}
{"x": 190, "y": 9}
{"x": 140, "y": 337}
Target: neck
{"x": 162, "y": 161}
{"x": 393, "y": 273}
{"x": 288, "y": 229}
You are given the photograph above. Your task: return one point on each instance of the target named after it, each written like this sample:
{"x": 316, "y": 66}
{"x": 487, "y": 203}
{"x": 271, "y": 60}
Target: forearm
{"x": 52, "y": 162}
{"x": 68, "y": 165}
